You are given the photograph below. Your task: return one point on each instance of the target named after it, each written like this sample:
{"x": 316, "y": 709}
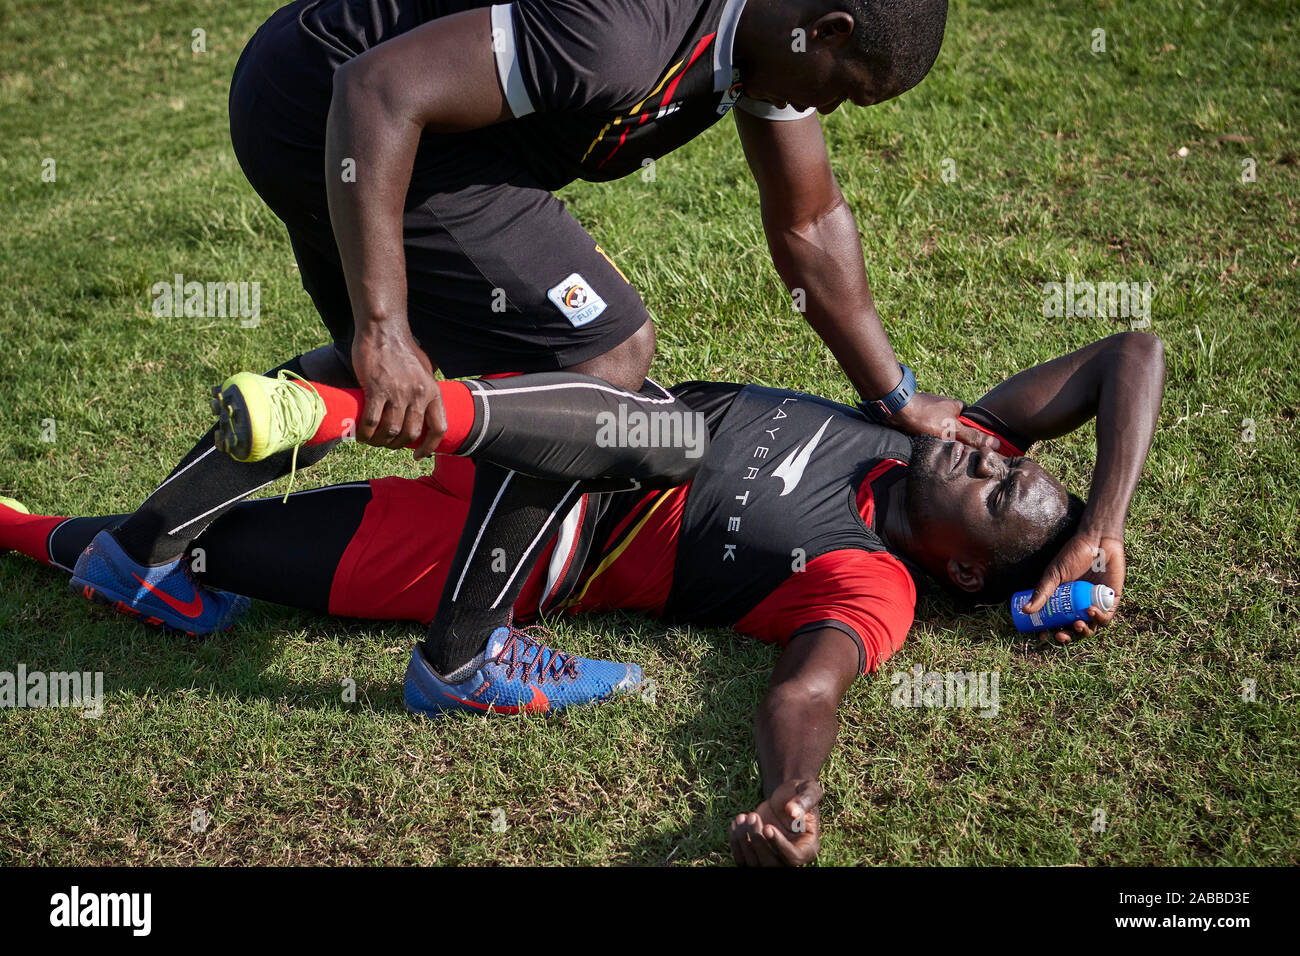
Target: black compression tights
{"x": 285, "y": 552}
{"x": 540, "y": 441}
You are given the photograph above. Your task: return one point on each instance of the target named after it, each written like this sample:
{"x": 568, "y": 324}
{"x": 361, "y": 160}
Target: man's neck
{"x": 891, "y": 522}
{"x": 750, "y": 31}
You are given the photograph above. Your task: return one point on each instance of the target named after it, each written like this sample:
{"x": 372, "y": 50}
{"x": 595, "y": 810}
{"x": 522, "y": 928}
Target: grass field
{"x": 1066, "y": 162}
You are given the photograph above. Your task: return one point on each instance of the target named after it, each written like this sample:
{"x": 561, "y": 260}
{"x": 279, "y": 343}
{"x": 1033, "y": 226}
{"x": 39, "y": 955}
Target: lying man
{"x": 805, "y": 526}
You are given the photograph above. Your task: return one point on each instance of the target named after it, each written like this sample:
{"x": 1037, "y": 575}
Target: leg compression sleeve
{"x": 511, "y": 516}
{"x": 539, "y": 441}
{"x": 204, "y": 486}
{"x": 560, "y": 426}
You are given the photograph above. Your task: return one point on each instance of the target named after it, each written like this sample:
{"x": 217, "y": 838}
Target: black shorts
{"x": 500, "y": 277}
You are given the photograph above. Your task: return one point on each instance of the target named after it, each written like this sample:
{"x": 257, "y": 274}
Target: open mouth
{"x": 958, "y": 456}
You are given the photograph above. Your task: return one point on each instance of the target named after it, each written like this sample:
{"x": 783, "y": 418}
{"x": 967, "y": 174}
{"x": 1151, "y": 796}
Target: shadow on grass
{"x": 709, "y": 727}
{"x": 706, "y": 721}
{"x": 983, "y": 624}
{"x": 46, "y": 626}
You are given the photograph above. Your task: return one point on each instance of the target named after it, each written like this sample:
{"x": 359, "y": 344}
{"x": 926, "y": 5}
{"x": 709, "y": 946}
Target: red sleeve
{"x": 867, "y": 594}
{"x": 1009, "y": 443}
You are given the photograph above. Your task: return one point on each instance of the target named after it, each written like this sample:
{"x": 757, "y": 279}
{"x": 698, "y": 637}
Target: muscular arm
{"x": 1119, "y": 381}
{"x": 815, "y": 246}
{"x": 440, "y": 77}
{"x": 795, "y": 728}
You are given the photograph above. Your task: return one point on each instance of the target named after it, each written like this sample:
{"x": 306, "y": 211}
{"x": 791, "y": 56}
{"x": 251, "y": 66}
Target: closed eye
{"x": 1000, "y": 500}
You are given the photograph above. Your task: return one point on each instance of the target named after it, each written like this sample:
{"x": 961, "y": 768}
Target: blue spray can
{"x": 1068, "y": 603}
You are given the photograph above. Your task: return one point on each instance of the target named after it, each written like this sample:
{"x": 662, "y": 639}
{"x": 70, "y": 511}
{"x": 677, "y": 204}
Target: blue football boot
{"x": 518, "y": 674}
{"x": 166, "y": 596}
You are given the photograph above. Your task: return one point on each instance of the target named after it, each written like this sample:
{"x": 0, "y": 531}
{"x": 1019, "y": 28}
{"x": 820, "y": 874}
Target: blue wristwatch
{"x": 884, "y": 408}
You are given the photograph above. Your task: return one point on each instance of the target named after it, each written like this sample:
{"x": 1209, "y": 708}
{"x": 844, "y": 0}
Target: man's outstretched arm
{"x": 1119, "y": 381}
{"x": 796, "y": 728}
{"x": 815, "y": 247}
{"x": 440, "y": 77}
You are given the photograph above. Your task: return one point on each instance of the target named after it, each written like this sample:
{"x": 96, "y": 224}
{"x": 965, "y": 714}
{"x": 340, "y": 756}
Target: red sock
{"x": 343, "y": 408}
{"x": 27, "y": 533}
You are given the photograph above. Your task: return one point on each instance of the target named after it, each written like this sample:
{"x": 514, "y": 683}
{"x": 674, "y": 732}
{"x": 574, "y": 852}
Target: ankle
{"x": 147, "y": 549}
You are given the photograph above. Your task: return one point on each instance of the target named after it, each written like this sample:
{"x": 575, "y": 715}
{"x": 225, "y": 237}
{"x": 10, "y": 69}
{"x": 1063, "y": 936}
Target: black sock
{"x": 69, "y": 539}
{"x": 205, "y": 485}
{"x": 511, "y": 516}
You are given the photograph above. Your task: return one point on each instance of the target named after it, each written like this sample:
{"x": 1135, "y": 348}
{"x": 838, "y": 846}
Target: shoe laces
{"x": 524, "y": 653}
{"x": 292, "y": 416}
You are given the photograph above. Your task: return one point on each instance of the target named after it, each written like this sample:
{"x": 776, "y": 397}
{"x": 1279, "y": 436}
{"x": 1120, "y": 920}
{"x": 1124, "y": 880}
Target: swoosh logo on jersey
{"x": 791, "y": 469}
{"x": 538, "y": 704}
{"x": 192, "y": 608}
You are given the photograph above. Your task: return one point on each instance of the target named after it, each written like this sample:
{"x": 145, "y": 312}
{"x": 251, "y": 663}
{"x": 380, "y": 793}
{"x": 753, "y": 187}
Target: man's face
{"x": 823, "y": 82}
{"x": 969, "y": 505}
{"x": 822, "y": 71}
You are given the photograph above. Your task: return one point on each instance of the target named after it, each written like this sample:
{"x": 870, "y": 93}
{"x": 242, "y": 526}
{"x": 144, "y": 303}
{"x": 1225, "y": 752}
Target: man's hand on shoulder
{"x": 785, "y": 830}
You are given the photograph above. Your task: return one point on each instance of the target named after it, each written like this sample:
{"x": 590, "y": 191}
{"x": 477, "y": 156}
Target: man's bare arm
{"x": 795, "y": 727}
{"x": 1120, "y": 381}
{"x": 815, "y": 247}
{"x": 440, "y": 77}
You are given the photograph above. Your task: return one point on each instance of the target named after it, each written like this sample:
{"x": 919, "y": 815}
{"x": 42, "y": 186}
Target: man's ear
{"x": 967, "y": 576}
{"x": 835, "y": 29}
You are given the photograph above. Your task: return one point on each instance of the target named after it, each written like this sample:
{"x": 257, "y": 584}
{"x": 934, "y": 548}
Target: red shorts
{"x": 396, "y": 565}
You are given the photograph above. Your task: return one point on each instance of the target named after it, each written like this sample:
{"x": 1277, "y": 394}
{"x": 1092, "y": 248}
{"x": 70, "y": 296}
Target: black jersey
{"x": 599, "y": 88}
{"x": 773, "y": 536}
{"x": 777, "y": 490}
{"x": 604, "y": 87}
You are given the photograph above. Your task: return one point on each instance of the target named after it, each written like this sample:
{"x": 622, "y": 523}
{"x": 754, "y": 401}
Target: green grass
{"x": 1067, "y": 162}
